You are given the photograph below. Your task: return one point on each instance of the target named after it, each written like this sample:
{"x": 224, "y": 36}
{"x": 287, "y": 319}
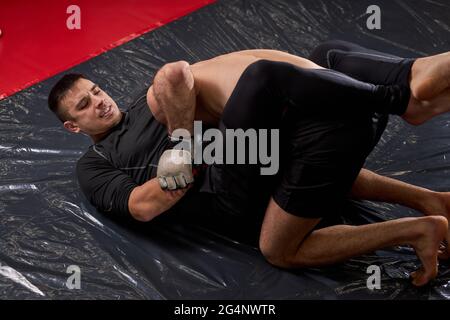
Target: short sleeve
{"x": 106, "y": 187}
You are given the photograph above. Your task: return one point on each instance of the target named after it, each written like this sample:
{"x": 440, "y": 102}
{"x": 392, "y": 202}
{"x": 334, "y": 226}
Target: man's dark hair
{"x": 58, "y": 93}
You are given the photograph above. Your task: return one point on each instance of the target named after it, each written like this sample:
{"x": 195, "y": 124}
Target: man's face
{"x": 91, "y": 110}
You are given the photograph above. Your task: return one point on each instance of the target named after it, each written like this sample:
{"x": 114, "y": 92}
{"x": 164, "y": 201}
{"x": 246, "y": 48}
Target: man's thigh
{"x": 320, "y": 161}
{"x": 321, "y": 156}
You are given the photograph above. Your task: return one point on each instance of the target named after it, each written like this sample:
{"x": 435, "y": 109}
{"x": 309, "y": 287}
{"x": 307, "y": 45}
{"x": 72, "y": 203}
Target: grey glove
{"x": 175, "y": 169}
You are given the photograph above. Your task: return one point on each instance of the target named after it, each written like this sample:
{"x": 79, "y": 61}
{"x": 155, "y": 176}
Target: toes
{"x": 423, "y": 275}
{"x": 428, "y": 271}
{"x": 419, "y": 278}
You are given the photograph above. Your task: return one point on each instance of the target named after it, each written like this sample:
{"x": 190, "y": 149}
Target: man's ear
{"x": 72, "y": 127}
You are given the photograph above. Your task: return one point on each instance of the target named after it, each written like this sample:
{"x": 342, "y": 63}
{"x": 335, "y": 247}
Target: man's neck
{"x": 99, "y": 137}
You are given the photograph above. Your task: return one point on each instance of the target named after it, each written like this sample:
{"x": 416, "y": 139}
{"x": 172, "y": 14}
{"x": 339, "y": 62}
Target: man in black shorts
{"x": 329, "y": 121}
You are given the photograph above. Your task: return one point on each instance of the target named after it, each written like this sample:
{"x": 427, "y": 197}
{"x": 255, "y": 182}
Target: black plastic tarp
{"x": 46, "y": 224}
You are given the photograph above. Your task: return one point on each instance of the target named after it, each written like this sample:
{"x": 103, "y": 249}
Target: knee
{"x": 320, "y": 53}
{"x": 276, "y": 256}
{"x": 260, "y": 71}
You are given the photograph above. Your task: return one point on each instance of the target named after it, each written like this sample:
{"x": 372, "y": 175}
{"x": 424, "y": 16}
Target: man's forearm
{"x": 148, "y": 200}
{"x": 174, "y": 91}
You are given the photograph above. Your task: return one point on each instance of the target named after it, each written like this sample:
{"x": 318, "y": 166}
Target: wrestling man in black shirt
{"x": 331, "y": 111}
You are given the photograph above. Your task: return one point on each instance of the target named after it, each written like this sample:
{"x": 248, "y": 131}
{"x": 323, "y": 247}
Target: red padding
{"x": 36, "y": 43}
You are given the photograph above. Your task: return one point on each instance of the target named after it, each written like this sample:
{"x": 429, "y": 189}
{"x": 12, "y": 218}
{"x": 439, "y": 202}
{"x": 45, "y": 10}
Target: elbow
{"x": 172, "y": 75}
{"x": 155, "y": 107}
{"x": 141, "y": 216}
{"x": 140, "y": 210}
{"x": 176, "y": 72}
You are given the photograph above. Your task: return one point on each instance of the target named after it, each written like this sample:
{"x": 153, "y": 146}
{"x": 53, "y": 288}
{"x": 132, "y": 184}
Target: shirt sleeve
{"x": 106, "y": 187}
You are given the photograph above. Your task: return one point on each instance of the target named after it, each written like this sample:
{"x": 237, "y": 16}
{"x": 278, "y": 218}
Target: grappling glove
{"x": 175, "y": 169}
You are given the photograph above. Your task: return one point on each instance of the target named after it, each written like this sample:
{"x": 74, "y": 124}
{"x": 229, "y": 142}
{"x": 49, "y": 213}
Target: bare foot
{"x": 420, "y": 111}
{"x": 438, "y": 203}
{"x": 430, "y": 76}
{"x": 432, "y": 230}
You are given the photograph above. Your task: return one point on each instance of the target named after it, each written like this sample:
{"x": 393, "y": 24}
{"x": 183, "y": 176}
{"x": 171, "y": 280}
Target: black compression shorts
{"x": 329, "y": 122}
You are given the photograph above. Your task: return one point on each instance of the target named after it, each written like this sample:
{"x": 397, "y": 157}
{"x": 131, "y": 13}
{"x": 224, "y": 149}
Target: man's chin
{"x": 117, "y": 116}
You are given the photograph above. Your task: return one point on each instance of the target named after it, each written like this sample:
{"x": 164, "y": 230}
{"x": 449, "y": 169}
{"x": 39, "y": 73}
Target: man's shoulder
{"x": 93, "y": 154}
{"x": 139, "y": 99}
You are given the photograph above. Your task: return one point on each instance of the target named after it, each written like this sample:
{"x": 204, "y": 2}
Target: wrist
{"x": 184, "y": 127}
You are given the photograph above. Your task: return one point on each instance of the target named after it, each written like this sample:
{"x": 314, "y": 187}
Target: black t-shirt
{"x": 125, "y": 159}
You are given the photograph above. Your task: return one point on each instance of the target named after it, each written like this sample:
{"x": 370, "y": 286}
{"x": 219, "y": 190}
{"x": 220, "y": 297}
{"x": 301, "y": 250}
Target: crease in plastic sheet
{"x": 17, "y": 277}
{"x": 46, "y": 224}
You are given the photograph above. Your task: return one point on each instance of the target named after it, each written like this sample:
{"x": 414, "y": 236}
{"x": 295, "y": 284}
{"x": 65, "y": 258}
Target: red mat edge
{"x": 105, "y": 49}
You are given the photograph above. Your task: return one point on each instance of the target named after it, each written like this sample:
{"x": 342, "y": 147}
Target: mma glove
{"x": 175, "y": 167}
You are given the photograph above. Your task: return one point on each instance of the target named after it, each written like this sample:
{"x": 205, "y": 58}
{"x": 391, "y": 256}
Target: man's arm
{"x": 172, "y": 97}
{"x": 115, "y": 193}
{"x": 148, "y": 200}
{"x": 172, "y": 100}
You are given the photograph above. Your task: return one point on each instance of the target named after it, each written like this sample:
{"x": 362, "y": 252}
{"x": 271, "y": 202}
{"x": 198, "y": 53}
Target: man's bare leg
{"x": 429, "y": 82}
{"x": 287, "y": 241}
{"x": 420, "y": 111}
{"x": 371, "y": 186}
{"x": 430, "y": 88}
{"x": 430, "y": 76}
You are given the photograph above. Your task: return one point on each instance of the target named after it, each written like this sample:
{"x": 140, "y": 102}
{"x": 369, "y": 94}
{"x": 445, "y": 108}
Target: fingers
{"x": 179, "y": 181}
{"x": 177, "y": 194}
{"x": 175, "y": 169}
